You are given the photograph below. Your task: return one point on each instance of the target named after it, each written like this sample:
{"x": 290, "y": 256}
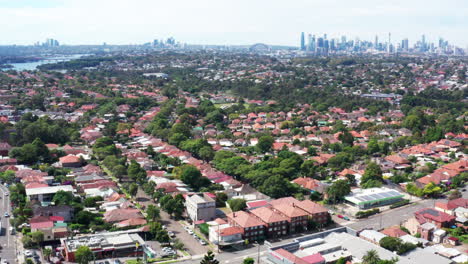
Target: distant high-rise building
{"x": 302, "y": 41}
{"x": 309, "y": 42}
{"x": 405, "y": 45}
{"x": 51, "y": 43}
{"x": 343, "y": 39}
{"x": 376, "y": 42}
{"x": 389, "y": 42}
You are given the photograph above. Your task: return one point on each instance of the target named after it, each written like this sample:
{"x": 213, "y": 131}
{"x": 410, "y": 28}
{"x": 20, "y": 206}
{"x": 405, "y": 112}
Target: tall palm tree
{"x": 371, "y": 257}
{"x": 47, "y": 252}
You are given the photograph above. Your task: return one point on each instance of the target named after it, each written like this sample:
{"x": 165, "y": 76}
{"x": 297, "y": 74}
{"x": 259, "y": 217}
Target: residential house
{"x": 436, "y": 217}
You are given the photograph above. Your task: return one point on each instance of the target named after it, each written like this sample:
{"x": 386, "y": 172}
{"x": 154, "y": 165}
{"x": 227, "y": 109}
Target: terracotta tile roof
{"x": 308, "y": 183}
{"x": 289, "y": 256}
{"x": 397, "y": 159}
{"x": 453, "y": 204}
{"x": 268, "y": 216}
{"x": 393, "y": 232}
{"x": 118, "y": 215}
{"x": 244, "y": 219}
{"x": 70, "y": 159}
{"x": 132, "y": 222}
{"x": 314, "y": 259}
{"x": 229, "y": 231}
{"x": 290, "y": 210}
{"x": 432, "y": 214}
{"x": 311, "y": 207}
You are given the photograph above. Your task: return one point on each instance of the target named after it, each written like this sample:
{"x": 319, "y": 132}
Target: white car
{"x": 190, "y": 232}
{"x": 28, "y": 253}
{"x": 4, "y": 261}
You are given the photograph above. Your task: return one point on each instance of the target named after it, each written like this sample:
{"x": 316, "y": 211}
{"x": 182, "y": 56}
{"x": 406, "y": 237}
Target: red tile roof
{"x": 315, "y": 258}
{"x": 393, "y": 232}
{"x": 232, "y": 230}
{"x": 425, "y": 214}
{"x": 290, "y": 256}
{"x": 244, "y": 219}
{"x": 268, "y": 216}
{"x": 453, "y": 204}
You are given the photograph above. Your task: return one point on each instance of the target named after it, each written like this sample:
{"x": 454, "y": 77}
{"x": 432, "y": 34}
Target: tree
{"x": 47, "y": 252}
{"x": 338, "y": 190}
{"x": 277, "y": 186}
{"x": 248, "y": 261}
{"x": 152, "y": 212}
{"x": 371, "y": 257}
{"x": 346, "y": 138}
{"x": 341, "y": 261}
{"x": 373, "y": 146}
{"x": 372, "y": 176}
{"x": 62, "y": 198}
{"x": 119, "y": 171}
{"x": 191, "y": 176}
{"x": 209, "y": 258}
{"x": 221, "y": 199}
{"x": 431, "y": 190}
{"x": 395, "y": 244}
{"x": 133, "y": 189}
{"x": 83, "y": 255}
{"x": 265, "y": 143}
{"x": 237, "y": 204}
{"x": 206, "y": 153}
{"x": 37, "y": 237}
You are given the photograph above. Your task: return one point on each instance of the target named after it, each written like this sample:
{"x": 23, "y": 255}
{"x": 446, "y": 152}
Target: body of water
{"x": 30, "y": 66}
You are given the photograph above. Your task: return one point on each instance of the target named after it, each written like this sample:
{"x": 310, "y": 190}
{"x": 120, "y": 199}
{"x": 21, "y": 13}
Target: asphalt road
{"x": 7, "y": 241}
{"x": 191, "y": 245}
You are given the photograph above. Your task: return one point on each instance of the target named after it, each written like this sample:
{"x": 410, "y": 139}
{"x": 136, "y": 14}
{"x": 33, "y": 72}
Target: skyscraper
{"x": 376, "y": 42}
{"x": 302, "y": 41}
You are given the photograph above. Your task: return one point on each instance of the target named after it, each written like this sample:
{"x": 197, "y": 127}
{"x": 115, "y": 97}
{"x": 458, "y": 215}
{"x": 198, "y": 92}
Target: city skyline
{"x": 240, "y": 23}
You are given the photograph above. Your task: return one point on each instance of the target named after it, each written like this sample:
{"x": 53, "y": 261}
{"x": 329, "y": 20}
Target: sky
{"x": 229, "y": 22}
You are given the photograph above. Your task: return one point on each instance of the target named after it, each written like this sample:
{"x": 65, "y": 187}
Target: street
{"x": 7, "y": 241}
{"x": 191, "y": 245}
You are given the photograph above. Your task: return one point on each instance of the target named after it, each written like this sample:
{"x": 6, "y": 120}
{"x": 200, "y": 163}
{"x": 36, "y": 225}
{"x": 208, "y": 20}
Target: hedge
{"x": 363, "y": 214}
{"x": 400, "y": 203}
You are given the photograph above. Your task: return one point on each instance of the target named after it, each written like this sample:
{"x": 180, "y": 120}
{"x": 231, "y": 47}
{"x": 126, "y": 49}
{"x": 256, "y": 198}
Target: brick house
{"x": 276, "y": 224}
{"x": 253, "y": 228}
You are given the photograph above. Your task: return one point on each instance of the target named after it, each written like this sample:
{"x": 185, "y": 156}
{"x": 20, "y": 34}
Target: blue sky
{"x": 229, "y": 21}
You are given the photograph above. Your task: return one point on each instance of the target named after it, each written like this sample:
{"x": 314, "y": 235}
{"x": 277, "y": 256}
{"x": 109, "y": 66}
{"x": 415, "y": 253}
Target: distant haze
{"x": 230, "y": 21}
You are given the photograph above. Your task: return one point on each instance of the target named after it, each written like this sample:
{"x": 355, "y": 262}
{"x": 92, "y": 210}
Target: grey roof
{"x": 359, "y": 247}
{"x": 423, "y": 256}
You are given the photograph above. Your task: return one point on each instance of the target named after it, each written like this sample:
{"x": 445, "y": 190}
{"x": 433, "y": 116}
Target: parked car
{"x": 28, "y": 253}
{"x": 190, "y": 232}
{"x": 117, "y": 261}
{"x": 202, "y": 242}
{"x": 4, "y": 261}
{"x": 346, "y": 218}
{"x": 340, "y": 216}
{"x": 171, "y": 234}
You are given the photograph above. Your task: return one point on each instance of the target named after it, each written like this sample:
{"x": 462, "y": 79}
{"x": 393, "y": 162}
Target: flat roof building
{"x": 105, "y": 245}
{"x": 373, "y": 197}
